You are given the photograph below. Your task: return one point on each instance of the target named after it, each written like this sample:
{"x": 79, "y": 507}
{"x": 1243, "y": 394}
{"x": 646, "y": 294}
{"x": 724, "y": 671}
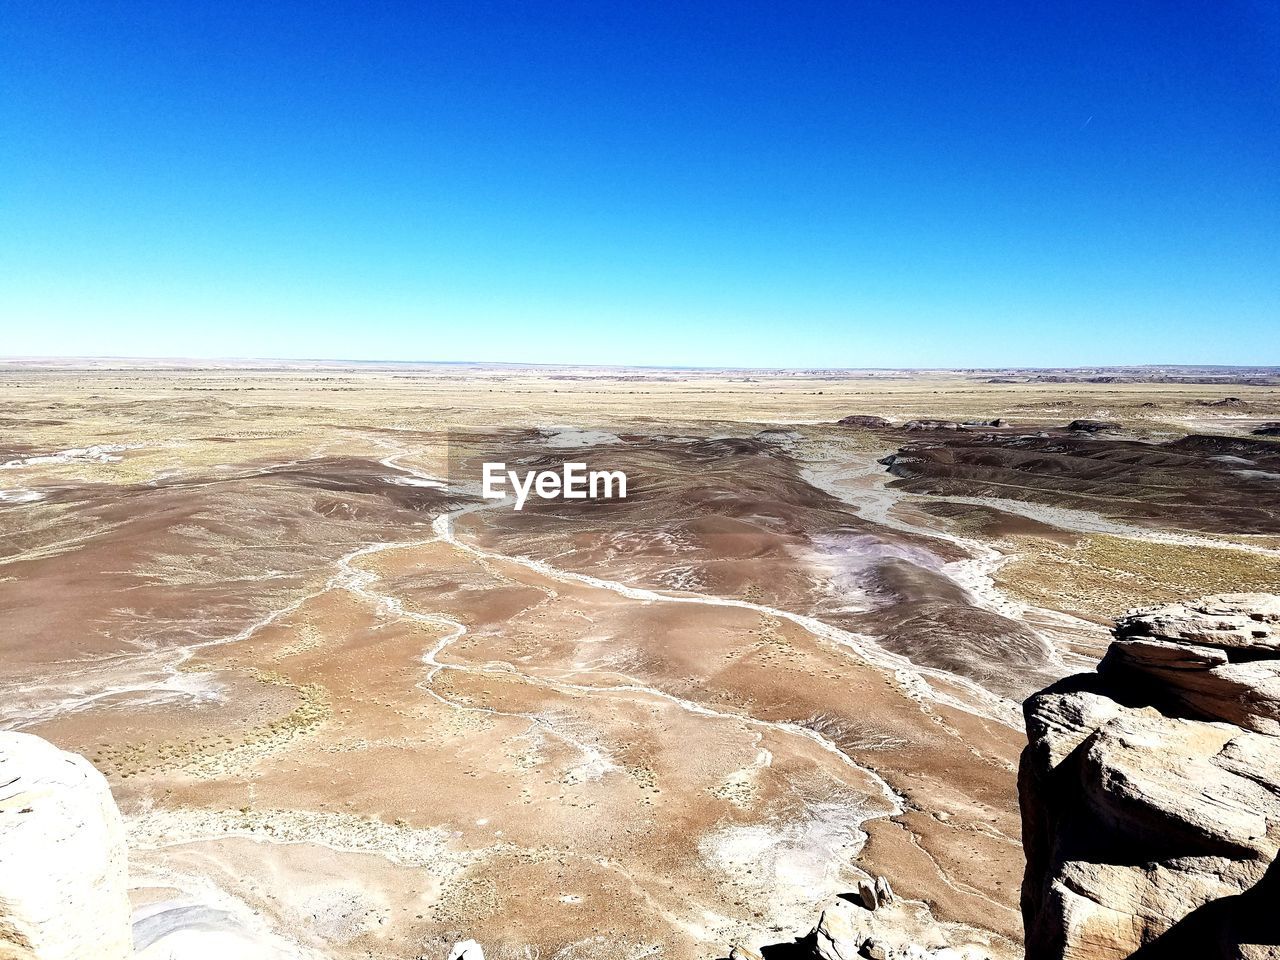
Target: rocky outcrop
{"x": 63, "y": 889}
{"x": 1150, "y": 791}
{"x": 876, "y": 893}
{"x": 931, "y": 425}
{"x": 870, "y": 923}
{"x": 1267, "y": 430}
{"x": 866, "y": 422}
{"x": 1092, "y": 426}
{"x": 466, "y": 950}
{"x": 881, "y": 927}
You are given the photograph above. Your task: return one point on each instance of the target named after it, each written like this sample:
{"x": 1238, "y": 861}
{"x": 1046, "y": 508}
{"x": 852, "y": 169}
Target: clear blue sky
{"x": 721, "y": 183}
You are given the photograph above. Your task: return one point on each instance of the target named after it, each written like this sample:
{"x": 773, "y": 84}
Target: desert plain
{"x": 350, "y": 709}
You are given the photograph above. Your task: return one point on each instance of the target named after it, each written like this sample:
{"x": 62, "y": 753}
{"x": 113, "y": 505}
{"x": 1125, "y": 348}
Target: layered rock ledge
{"x": 1150, "y": 791}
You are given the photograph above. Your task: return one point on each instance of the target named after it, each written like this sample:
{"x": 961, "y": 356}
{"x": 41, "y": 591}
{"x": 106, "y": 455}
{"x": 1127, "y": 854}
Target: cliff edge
{"x": 63, "y": 884}
{"x": 1150, "y": 791}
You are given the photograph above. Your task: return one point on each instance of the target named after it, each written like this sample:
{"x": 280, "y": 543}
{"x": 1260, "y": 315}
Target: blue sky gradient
{"x": 721, "y": 184}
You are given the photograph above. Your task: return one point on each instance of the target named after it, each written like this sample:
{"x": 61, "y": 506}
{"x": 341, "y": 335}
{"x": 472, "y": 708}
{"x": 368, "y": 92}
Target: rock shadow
{"x": 1222, "y": 927}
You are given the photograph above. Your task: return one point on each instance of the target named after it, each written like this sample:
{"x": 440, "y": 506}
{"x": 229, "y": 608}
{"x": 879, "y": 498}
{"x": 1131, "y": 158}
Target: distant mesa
{"x": 1150, "y": 790}
{"x": 1092, "y": 426}
{"x": 1231, "y": 376}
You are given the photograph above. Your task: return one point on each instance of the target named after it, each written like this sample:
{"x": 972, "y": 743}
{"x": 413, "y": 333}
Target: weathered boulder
{"x": 893, "y": 930}
{"x": 884, "y": 893}
{"x": 875, "y": 893}
{"x": 63, "y": 883}
{"x": 867, "y": 894}
{"x": 1150, "y": 790}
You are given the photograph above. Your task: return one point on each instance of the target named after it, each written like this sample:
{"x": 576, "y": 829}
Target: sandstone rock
{"x": 867, "y": 894}
{"x": 1196, "y": 685}
{"x": 466, "y": 950}
{"x": 884, "y": 893}
{"x": 841, "y": 932}
{"x": 1231, "y": 621}
{"x": 63, "y": 883}
{"x": 892, "y": 931}
{"x": 1267, "y": 430}
{"x": 743, "y": 953}
{"x": 875, "y": 893}
{"x": 1150, "y": 790}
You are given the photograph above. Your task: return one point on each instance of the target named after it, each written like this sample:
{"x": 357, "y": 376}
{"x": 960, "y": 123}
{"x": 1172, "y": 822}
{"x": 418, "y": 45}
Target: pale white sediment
{"x": 203, "y": 922}
{"x": 569, "y": 437}
{"x": 20, "y": 496}
{"x": 864, "y": 485}
{"x": 98, "y": 453}
{"x": 1086, "y": 521}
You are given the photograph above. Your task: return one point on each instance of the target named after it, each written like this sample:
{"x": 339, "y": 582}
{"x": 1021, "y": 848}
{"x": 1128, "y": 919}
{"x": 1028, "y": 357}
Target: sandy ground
{"x": 349, "y": 711}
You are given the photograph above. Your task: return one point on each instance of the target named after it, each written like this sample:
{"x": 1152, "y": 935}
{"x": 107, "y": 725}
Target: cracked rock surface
{"x": 1150, "y": 790}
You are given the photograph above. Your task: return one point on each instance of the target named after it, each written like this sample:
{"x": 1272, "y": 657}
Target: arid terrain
{"x": 352, "y": 710}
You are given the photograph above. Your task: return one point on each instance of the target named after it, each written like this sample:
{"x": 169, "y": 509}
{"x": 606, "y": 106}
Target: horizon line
{"x": 160, "y": 362}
